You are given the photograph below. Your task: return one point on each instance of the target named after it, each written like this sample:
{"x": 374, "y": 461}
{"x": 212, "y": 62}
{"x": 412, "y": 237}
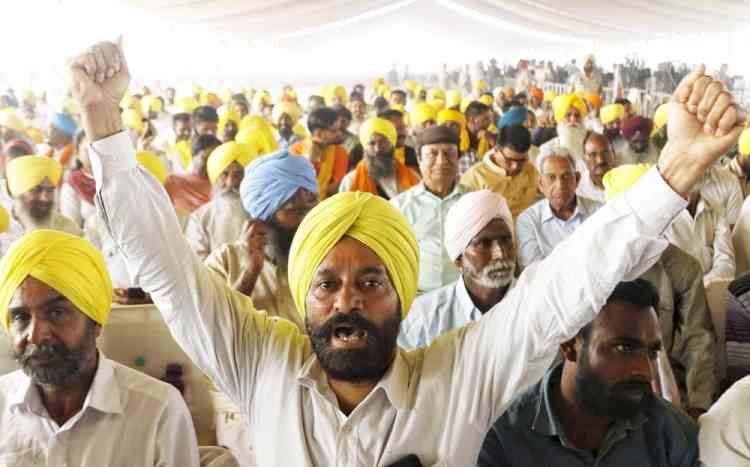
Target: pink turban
{"x": 636, "y": 124}
{"x": 470, "y": 215}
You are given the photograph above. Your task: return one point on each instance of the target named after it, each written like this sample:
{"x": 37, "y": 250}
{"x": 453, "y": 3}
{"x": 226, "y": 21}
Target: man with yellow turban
{"x": 353, "y": 270}
{"x": 569, "y": 111}
{"x": 403, "y": 153}
{"x": 11, "y": 126}
{"x": 177, "y": 144}
{"x": 32, "y": 182}
{"x": 379, "y": 172}
{"x": 55, "y": 297}
{"x": 322, "y": 149}
{"x": 190, "y": 191}
{"x": 220, "y": 220}
{"x": 229, "y": 125}
{"x": 285, "y": 116}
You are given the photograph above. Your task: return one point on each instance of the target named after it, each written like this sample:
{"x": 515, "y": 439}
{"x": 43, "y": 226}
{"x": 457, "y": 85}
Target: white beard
{"x": 496, "y": 275}
{"x": 571, "y": 138}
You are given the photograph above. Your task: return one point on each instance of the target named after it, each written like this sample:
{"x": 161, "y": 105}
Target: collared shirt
{"x": 426, "y": 213}
{"x": 587, "y": 189}
{"x": 435, "y": 313}
{"x": 530, "y": 433}
{"x": 722, "y": 189}
{"x": 707, "y": 238}
{"x": 271, "y": 293}
{"x": 520, "y": 191}
{"x": 218, "y": 222}
{"x": 735, "y": 169}
{"x": 127, "y": 419}
{"x": 723, "y": 438}
{"x": 268, "y": 367}
{"x": 539, "y": 230}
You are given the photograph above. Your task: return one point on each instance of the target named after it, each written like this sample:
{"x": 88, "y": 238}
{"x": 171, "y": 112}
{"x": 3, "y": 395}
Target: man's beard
{"x": 63, "y": 366}
{"x": 612, "y": 133}
{"x": 280, "y": 244}
{"x": 571, "y": 138}
{"x": 599, "y": 399}
{"x": 380, "y": 165}
{"x": 497, "y": 274}
{"x": 359, "y": 365}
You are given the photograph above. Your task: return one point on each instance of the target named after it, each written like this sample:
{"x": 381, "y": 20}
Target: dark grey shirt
{"x": 529, "y": 434}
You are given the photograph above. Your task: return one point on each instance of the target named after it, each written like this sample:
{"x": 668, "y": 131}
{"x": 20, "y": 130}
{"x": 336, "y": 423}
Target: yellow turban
{"x": 435, "y": 93}
{"x": 262, "y": 99}
{"x": 410, "y": 85}
{"x": 65, "y": 262}
{"x": 134, "y": 120}
{"x": 660, "y": 116}
{"x": 509, "y": 91}
{"x": 288, "y": 108}
{"x": 481, "y": 86}
{"x": 186, "y": 104}
{"x": 448, "y": 115}
{"x": 183, "y": 152}
{"x": 453, "y": 98}
{"x": 9, "y": 119}
{"x": 486, "y": 99}
{"x": 153, "y": 164}
{"x": 224, "y": 155}
{"x": 130, "y": 102}
{"x": 377, "y": 82}
{"x": 35, "y": 135}
{"x": 4, "y": 220}
{"x": 465, "y": 104}
{"x": 422, "y": 112}
{"x": 260, "y": 123}
{"x": 210, "y": 98}
{"x": 377, "y": 125}
{"x": 227, "y": 116}
{"x": 335, "y": 91}
{"x": 619, "y": 179}
{"x": 254, "y": 138}
{"x": 367, "y": 218}
{"x": 152, "y": 104}
{"x": 564, "y": 102}
{"x": 550, "y": 95}
{"x": 612, "y": 112}
{"x": 745, "y": 142}
{"x": 27, "y": 172}
{"x": 437, "y": 104}
{"x": 384, "y": 90}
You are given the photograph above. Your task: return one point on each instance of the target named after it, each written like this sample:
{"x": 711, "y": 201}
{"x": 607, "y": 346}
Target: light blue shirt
{"x": 438, "y": 312}
{"x": 426, "y": 213}
{"x": 539, "y": 230}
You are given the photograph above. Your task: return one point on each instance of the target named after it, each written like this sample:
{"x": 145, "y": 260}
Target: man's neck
{"x": 441, "y": 190}
{"x": 350, "y": 395}
{"x": 583, "y": 430}
{"x": 597, "y": 181}
{"x": 63, "y": 403}
{"x": 484, "y": 298}
{"x": 565, "y": 212}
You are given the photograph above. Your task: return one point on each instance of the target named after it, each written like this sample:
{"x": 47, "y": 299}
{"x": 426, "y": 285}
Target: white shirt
{"x": 707, "y": 238}
{"x": 426, "y": 213}
{"x": 438, "y": 402}
{"x": 435, "y": 313}
{"x": 722, "y": 188}
{"x": 539, "y": 230}
{"x": 215, "y": 223}
{"x": 723, "y": 439}
{"x": 587, "y": 189}
{"x": 128, "y": 419}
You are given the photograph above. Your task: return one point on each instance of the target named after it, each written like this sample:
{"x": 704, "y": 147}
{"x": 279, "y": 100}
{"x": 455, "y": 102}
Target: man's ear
{"x": 570, "y": 349}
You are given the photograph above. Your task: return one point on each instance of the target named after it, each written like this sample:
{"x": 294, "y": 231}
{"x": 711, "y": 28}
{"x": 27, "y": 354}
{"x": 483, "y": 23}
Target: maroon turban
{"x": 636, "y": 124}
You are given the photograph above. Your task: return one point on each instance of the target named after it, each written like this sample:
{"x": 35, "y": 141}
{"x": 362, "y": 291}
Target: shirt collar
{"x": 421, "y": 189}
{"x": 395, "y": 382}
{"x": 547, "y": 213}
{"x": 105, "y": 394}
{"x": 465, "y": 302}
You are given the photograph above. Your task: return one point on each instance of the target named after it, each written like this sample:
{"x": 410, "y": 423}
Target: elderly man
{"x": 640, "y": 149}
{"x": 220, "y": 220}
{"x": 60, "y": 133}
{"x": 330, "y": 159}
{"x": 32, "y": 182}
{"x": 506, "y": 170}
{"x": 68, "y": 404}
{"x": 611, "y": 117}
{"x": 379, "y": 172}
{"x": 589, "y": 80}
{"x": 550, "y": 221}
{"x": 569, "y": 111}
{"x": 597, "y": 407}
{"x": 277, "y": 193}
{"x": 599, "y": 158}
{"x": 479, "y": 239}
{"x": 192, "y": 190}
{"x": 426, "y": 205}
{"x": 353, "y": 274}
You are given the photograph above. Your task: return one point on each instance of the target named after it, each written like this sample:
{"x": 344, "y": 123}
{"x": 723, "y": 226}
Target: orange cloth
{"x": 188, "y": 192}
{"x": 406, "y": 178}
{"x": 331, "y": 169}
{"x": 62, "y": 156}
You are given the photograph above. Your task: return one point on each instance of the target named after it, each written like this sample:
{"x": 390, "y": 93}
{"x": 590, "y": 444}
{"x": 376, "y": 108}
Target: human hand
{"x": 99, "y": 76}
{"x": 255, "y": 237}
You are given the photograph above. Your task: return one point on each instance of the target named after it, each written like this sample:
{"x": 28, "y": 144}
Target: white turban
{"x": 470, "y": 215}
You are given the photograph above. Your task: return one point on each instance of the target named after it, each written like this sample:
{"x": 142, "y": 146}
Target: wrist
{"x": 101, "y": 121}
{"x": 680, "y": 173}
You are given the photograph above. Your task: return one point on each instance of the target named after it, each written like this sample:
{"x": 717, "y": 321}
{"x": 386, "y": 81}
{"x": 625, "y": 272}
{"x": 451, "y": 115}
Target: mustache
{"x": 48, "y": 351}
{"x": 325, "y": 331}
{"x": 640, "y": 384}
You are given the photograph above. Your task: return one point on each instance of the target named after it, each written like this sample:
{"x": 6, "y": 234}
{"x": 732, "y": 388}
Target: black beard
{"x": 380, "y": 165}
{"x": 599, "y": 399}
{"x": 65, "y": 366}
{"x": 367, "y": 364}
{"x": 40, "y": 211}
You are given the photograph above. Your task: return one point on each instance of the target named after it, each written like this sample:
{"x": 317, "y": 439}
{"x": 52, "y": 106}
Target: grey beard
{"x": 381, "y": 165}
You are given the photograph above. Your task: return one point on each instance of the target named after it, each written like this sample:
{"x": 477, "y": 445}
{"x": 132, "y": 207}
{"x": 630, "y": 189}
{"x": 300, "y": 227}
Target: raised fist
{"x": 99, "y": 76}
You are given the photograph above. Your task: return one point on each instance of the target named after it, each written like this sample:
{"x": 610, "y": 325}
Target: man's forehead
{"x": 440, "y": 147}
{"x": 33, "y": 292}
{"x": 619, "y": 319}
{"x": 496, "y": 227}
{"x": 350, "y": 254}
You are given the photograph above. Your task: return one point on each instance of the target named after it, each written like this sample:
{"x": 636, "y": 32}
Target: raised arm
{"x": 214, "y": 325}
{"x": 514, "y": 343}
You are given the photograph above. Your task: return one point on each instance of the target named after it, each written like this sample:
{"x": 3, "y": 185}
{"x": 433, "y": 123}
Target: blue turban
{"x": 64, "y": 123}
{"x": 272, "y": 180}
{"x": 515, "y": 116}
